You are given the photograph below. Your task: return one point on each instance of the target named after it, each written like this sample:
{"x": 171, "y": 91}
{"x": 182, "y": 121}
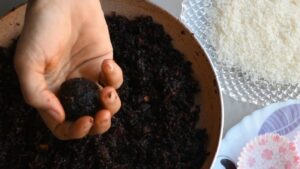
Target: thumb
{"x": 35, "y": 90}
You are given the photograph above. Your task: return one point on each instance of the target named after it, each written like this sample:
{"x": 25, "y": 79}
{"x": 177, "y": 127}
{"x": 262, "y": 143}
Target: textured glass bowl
{"x": 233, "y": 81}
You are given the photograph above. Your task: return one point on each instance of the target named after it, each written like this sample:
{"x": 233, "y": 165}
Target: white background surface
{"x": 234, "y": 110}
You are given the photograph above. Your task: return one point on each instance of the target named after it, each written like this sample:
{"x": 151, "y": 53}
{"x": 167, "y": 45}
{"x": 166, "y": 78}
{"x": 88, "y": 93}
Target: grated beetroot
{"x": 155, "y": 127}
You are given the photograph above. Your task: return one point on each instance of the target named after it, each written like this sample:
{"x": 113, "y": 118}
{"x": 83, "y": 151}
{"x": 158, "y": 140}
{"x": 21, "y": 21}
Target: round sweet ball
{"x": 79, "y": 97}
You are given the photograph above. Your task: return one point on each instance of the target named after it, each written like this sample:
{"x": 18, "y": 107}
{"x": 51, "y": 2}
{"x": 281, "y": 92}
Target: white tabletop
{"x": 234, "y": 110}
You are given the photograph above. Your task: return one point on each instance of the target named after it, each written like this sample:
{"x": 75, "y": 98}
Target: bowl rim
{"x": 218, "y": 86}
{"x": 12, "y": 9}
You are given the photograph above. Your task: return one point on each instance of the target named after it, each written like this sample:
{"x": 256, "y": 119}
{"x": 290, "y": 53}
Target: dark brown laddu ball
{"x": 79, "y": 97}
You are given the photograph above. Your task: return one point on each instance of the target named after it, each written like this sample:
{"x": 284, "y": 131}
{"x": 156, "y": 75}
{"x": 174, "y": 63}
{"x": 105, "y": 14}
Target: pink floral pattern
{"x": 282, "y": 150}
{"x": 292, "y": 147}
{"x": 297, "y": 159}
{"x": 267, "y": 154}
{"x": 276, "y": 138}
{"x": 263, "y": 141}
{"x": 269, "y": 151}
{"x": 251, "y": 162}
{"x": 288, "y": 165}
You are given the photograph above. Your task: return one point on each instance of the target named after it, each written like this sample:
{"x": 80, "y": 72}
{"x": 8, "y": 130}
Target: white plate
{"x": 282, "y": 118}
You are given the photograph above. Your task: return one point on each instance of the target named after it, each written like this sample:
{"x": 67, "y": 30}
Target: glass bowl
{"x": 232, "y": 80}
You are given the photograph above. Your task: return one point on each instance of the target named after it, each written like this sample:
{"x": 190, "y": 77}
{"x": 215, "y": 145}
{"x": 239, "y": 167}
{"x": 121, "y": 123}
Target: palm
{"x": 69, "y": 49}
{"x": 62, "y": 40}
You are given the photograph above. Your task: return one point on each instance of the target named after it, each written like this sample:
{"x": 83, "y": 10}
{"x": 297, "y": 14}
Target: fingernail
{"x": 88, "y": 125}
{"x": 109, "y": 66}
{"x": 111, "y": 96}
{"x": 104, "y": 123}
{"x": 91, "y": 120}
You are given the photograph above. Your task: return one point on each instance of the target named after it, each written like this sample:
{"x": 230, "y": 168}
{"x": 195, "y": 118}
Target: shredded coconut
{"x": 262, "y": 37}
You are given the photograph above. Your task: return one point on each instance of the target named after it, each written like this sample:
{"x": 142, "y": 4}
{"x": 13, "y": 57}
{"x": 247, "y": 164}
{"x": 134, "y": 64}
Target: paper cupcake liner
{"x": 297, "y": 143}
{"x": 269, "y": 151}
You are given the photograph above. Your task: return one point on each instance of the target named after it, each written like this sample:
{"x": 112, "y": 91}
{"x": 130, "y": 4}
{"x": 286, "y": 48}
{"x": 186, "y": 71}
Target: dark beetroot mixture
{"x": 79, "y": 97}
{"x": 154, "y": 128}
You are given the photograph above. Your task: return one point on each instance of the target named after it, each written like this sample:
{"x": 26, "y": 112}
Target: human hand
{"x": 63, "y": 40}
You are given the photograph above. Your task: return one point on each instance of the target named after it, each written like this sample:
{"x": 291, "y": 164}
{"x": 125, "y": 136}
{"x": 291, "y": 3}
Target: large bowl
{"x": 210, "y": 99}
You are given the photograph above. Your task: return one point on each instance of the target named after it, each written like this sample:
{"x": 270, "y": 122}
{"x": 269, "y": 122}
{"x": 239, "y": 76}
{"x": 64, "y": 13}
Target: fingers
{"x": 111, "y": 104}
{"x": 68, "y": 130}
{"x": 111, "y": 74}
{"x": 36, "y": 93}
{"x": 86, "y": 125}
{"x": 102, "y": 122}
{"x": 35, "y": 89}
{"x": 110, "y": 100}
{"x": 74, "y": 130}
